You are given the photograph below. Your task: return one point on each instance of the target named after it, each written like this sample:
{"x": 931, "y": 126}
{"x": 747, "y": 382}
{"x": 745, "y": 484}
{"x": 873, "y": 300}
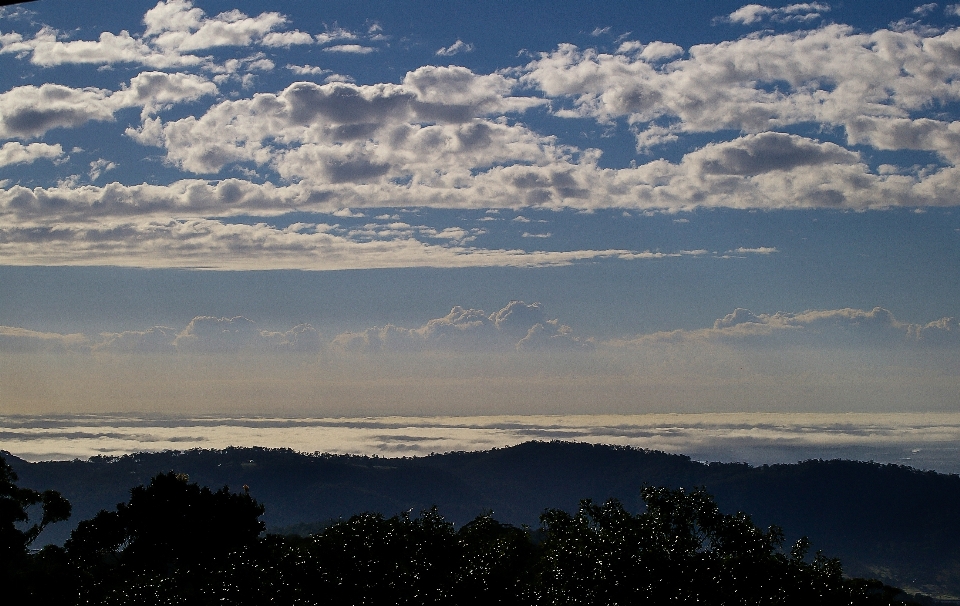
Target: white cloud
{"x": 287, "y": 39}
{"x": 22, "y": 340}
{"x": 834, "y": 328}
{"x": 14, "y": 152}
{"x": 307, "y": 70}
{"x": 46, "y": 49}
{"x": 830, "y": 76}
{"x": 754, "y": 155}
{"x": 346, "y": 212}
{"x": 754, "y": 13}
{"x": 925, "y": 9}
{"x": 177, "y": 24}
{"x": 100, "y": 166}
{"x": 212, "y": 244}
{"x": 760, "y": 250}
{"x": 358, "y": 134}
{"x": 158, "y": 90}
{"x": 354, "y": 49}
{"x": 175, "y": 30}
{"x": 518, "y": 326}
{"x": 29, "y": 111}
{"x": 456, "y": 48}
{"x": 207, "y": 334}
{"x": 158, "y": 339}
{"x": 336, "y": 33}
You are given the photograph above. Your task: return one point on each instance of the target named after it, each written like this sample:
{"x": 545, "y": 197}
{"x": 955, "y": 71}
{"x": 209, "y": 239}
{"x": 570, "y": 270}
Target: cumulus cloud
{"x": 22, "y": 340}
{"x": 307, "y": 70}
{"x": 353, "y": 49}
{"x": 159, "y": 339}
{"x": 802, "y": 12}
{"x": 157, "y": 90}
{"x": 287, "y": 39}
{"x": 431, "y": 124}
{"x": 47, "y": 49}
{"x": 208, "y": 335}
{"x": 14, "y": 152}
{"x": 175, "y": 31}
{"x": 448, "y": 137}
{"x": 30, "y": 111}
{"x": 518, "y": 326}
{"x": 177, "y": 24}
{"x": 753, "y": 155}
{"x": 836, "y": 327}
{"x": 763, "y": 83}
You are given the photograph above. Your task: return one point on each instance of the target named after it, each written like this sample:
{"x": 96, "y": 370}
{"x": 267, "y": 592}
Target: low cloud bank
{"x": 517, "y": 326}
{"x": 927, "y": 441}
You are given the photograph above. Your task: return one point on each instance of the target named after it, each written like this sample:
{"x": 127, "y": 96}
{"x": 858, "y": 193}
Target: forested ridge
{"x": 175, "y": 542}
{"x": 889, "y": 522}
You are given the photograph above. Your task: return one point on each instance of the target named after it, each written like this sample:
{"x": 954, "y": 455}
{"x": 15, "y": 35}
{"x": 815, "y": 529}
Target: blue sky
{"x": 637, "y": 207}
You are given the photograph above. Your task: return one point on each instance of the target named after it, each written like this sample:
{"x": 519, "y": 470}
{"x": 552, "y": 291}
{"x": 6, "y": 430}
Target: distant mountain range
{"x": 883, "y": 521}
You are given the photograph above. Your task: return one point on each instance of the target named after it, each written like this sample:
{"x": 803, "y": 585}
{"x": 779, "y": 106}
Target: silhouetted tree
{"x": 16, "y": 533}
{"x": 25, "y": 578}
{"x": 681, "y": 550}
{"x": 167, "y": 541}
{"x": 175, "y": 542}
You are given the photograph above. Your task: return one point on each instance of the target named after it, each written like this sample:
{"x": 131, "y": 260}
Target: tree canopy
{"x": 175, "y": 542}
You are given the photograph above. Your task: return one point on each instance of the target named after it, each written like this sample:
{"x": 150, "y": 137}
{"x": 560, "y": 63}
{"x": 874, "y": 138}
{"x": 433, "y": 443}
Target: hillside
{"x": 891, "y": 522}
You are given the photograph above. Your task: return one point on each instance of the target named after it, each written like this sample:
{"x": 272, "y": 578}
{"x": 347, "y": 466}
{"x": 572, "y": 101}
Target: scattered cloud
{"x": 837, "y": 327}
{"x": 335, "y": 33}
{"x": 307, "y": 70}
{"x": 287, "y": 39}
{"x": 454, "y": 49}
{"x": 802, "y": 12}
{"x": 353, "y": 49}
{"x": 21, "y": 340}
{"x": 518, "y": 326}
{"x": 448, "y": 137}
{"x": 762, "y": 250}
{"x": 98, "y": 167}
{"x": 14, "y": 152}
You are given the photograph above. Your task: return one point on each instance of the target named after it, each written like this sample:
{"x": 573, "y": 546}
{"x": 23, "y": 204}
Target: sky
{"x": 364, "y": 208}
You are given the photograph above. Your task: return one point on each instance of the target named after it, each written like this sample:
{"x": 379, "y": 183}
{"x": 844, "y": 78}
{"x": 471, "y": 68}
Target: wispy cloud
{"x": 454, "y": 49}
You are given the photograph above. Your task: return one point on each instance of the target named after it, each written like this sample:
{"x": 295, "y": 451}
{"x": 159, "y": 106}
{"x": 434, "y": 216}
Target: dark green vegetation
{"x": 888, "y": 522}
{"x": 175, "y": 542}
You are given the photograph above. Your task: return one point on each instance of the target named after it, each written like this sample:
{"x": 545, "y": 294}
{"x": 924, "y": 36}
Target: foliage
{"x": 22, "y": 576}
{"x": 681, "y": 550}
{"x": 15, "y": 505}
{"x": 170, "y": 530}
{"x": 175, "y": 542}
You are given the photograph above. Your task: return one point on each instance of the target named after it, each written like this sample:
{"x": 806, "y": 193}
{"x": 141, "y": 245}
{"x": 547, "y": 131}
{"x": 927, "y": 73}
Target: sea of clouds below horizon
{"x": 929, "y": 441}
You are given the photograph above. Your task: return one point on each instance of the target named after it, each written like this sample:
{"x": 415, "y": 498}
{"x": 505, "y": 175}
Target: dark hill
{"x": 886, "y": 521}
